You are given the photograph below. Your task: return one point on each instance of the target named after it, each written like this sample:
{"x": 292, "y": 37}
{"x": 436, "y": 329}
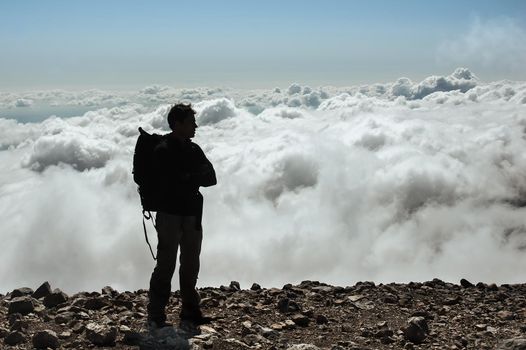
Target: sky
{"x": 120, "y": 44}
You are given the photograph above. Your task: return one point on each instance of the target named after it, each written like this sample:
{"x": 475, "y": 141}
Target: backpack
{"x": 144, "y": 177}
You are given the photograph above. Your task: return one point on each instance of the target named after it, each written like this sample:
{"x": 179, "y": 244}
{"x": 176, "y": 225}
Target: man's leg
{"x": 169, "y": 232}
{"x": 190, "y": 244}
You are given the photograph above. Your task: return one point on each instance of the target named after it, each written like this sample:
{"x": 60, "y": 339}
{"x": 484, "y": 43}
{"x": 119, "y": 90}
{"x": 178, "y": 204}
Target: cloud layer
{"x": 388, "y": 182}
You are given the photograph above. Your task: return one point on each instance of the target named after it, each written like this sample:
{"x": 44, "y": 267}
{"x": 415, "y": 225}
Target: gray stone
{"x": 14, "y": 338}
{"x": 101, "y": 335}
{"x": 57, "y": 297}
{"x": 43, "y": 291}
{"x": 45, "y": 339}
{"x": 513, "y": 344}
{"x": 22, "y": 305}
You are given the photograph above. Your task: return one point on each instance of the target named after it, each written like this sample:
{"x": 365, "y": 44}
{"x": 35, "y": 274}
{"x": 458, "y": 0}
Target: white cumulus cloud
{"x": 388, "y": 182}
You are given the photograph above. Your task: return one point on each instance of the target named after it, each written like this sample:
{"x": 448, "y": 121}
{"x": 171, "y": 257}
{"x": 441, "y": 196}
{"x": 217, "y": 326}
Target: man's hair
{"x": 178, "y": 113}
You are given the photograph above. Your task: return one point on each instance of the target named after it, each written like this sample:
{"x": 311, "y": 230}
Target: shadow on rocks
{"x": 167, "y": 338}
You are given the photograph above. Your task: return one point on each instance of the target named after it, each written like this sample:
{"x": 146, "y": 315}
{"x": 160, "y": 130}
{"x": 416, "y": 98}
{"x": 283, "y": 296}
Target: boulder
{"x": 22, "y": 305}
{"x": 57, "y": 297}
{"x": 416, "y": 330}
{"x": 45, "y": 339}
{"x": 43, "y": 291}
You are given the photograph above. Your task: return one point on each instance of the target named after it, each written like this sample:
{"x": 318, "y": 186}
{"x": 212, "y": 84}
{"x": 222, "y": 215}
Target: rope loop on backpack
{"x": 148, "y": 215}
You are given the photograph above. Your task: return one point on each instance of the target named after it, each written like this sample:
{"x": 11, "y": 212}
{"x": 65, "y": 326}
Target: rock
{"x": 21, "y": 292}
{"x": 101, "y": 335}
{"x": 246, "y": 328}
{"x": 286, "y": 305}
{"x": 125, "y": 303}
{"x": 390, "y": 299}
{"x": 13, "y": 318}
{"x": 96, "y": 303}
{"x": 14, "y": 338}
{"x": 43, "y": 291}
{"x": 300, "y": 320}
{"x": 452, "y": 300}
{"x": 19, "y": 325}
{"x": 303, "y": 347}
{"x": 277, "y": 326}
{"x": 268, "y": 332}
{"x": 64, "y": 317}
{"x": 64, "y": 335}
{"x": 416, "y": 330}
{"x": 513, "y": 344}
{"x": 321, "y": 319}
{"x": 283, "y": 305}
{"x": 45, "y": 339}
{"x": 229, "y": 343}
{"x": 22, "y": 305}
{"x": 109, "y": 291}
{"x": 493, "y": 287}
{"x": 255, "y": 286}
{"x": 234, "y": 285}
{"x": 288, "y": 324}
{"x": 466, "y": 284}
{"x": 506, "y": 315}
{"x": 3, "y": 332}
{"x": 57, "y": 297}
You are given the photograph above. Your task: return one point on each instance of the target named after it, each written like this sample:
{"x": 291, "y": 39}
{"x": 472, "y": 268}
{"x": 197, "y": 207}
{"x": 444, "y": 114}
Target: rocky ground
{"x": 308, "y": 316}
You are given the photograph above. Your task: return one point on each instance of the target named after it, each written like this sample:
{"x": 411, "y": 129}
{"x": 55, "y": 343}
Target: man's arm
{"x": 205, "y": 175}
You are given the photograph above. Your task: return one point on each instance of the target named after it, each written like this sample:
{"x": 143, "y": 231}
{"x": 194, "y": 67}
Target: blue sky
{"x": 98, "y": 44}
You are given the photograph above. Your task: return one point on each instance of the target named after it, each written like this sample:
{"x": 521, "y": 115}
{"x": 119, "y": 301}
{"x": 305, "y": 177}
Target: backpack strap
{"x": 148, "y": 215}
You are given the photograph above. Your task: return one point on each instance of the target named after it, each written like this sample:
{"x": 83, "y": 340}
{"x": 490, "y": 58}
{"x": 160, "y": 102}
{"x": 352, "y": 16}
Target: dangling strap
{"x": 148, "y": 217}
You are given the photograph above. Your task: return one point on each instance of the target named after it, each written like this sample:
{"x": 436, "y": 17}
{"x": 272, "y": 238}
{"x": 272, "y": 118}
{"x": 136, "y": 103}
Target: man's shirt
{"x": 182, "y": 168}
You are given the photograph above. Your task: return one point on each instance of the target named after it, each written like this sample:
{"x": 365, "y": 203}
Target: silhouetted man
{"x": 182, "y": 168}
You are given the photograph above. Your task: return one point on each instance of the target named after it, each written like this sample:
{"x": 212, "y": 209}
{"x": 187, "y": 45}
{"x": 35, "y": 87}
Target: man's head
{"x": 181, "y": 120}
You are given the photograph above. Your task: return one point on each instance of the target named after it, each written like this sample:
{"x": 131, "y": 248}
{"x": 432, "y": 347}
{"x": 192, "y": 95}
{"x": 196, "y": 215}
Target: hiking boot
{"x": 190, "y": 328}
{"x": 155, "y": 325}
